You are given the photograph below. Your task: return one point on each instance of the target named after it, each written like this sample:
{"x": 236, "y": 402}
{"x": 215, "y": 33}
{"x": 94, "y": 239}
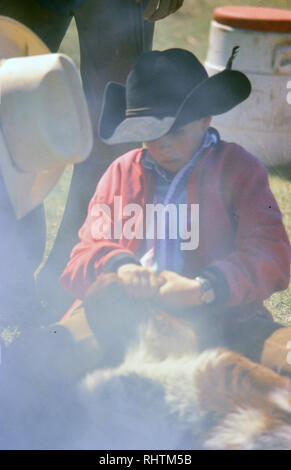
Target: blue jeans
{"x": 112, "y": 35}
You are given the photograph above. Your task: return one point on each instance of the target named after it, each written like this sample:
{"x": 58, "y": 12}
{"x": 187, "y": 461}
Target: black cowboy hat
{"x": 165, "y": 89}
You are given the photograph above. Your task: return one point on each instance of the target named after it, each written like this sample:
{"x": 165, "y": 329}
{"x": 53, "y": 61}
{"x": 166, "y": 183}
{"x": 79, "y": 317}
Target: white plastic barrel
{"x": 261, "y": 124}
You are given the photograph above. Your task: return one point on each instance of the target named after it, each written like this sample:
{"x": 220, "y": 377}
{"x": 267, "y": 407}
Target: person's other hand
{"x": 139, "y": 282}
{"x": 159, "y": 9}
{"x": 179, "y": 291}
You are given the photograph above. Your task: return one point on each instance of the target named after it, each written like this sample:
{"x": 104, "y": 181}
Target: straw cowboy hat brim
{"x": 44, "y": 120}
{"x": 16, "y": 40}
{"x": 128, "y": 116}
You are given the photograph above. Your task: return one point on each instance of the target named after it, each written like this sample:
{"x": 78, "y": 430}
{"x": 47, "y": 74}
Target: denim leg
{"x": 112, "y": 36}
{"x": 223, "y": 329}
{"x": 22, "y": 244}
{"x": 248, "y": 338}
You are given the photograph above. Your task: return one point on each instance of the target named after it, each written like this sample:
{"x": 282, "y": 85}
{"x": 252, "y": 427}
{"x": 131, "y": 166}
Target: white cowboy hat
{"x": 44, "y": 119}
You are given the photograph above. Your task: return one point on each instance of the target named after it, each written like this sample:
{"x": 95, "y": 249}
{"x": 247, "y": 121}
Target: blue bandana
{"x": 171, "y": 189}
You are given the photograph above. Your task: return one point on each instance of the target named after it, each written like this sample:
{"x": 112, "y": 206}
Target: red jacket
{"x": 241, "y": 231}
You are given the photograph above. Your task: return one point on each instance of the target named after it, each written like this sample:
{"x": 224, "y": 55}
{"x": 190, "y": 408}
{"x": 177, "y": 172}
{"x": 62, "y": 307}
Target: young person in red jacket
{"x": 230, "y": 250}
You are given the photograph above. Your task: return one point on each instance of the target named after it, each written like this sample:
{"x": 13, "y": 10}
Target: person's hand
{"x": 139, "y": 282}
{"x": 159, "y": 9}
{"x": 179, "y": 291}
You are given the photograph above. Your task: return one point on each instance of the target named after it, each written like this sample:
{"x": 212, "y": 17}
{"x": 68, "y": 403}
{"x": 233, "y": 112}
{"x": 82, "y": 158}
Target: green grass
{"x": 189, "y": 29}
{"x": 280, "y": 182}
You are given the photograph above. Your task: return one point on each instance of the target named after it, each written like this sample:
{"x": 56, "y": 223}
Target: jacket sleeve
{"x": 260, "y": 263}
{"x": 97, "y": 245}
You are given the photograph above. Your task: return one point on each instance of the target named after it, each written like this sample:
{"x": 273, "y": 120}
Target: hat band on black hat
{"x": 137, "y": 111}
{"x": 158, "y": 112}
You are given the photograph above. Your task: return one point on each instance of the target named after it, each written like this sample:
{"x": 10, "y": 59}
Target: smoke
{"x": 149, "y": 401}
{"x": 141, "y": 403}
{"x": 151, "y": 390}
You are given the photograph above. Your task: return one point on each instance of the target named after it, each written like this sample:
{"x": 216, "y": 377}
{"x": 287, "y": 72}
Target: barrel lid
{"x": 254, "y": 18}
